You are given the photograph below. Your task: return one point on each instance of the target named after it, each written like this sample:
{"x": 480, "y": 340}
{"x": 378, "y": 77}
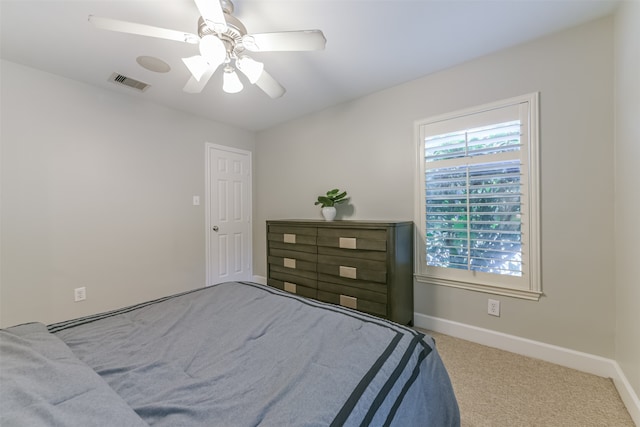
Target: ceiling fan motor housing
{"x": 232, "y": 37}
{"x": 227, "y": 6}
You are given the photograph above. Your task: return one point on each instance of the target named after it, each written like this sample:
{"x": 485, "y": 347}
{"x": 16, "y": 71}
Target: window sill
{"x": 496, "y": 290}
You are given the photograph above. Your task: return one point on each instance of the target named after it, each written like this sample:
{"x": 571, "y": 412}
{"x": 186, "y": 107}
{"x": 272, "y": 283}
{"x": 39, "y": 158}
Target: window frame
{"x": 527, "y": 286}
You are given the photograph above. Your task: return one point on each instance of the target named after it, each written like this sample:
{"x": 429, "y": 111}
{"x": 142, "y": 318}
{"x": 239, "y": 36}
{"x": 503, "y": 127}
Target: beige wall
{"x": 367, "y": 147}
{"x": 627, "y": 177}
{"x": 97, "y": 191}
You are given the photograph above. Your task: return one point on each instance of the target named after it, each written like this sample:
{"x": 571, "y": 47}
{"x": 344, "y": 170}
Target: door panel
{"x": 229, "y": 214}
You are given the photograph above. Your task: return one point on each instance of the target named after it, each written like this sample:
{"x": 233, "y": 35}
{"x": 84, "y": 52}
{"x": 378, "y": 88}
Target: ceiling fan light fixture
{"x": 212, "y": 48}
{"x": 230, "y": 81}
{"x": 250, "y": 68}
{"x": 222, "y": 40}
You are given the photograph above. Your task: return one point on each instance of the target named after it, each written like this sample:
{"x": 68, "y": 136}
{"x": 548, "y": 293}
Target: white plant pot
{"x": 329, "y": 213}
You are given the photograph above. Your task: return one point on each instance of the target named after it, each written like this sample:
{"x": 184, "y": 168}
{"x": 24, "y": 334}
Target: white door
{"x": 228, "y": 214}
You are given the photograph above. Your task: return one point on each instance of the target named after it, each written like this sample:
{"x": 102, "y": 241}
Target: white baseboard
{"x": 627, "y": 394}
{"x": 584, "y": 362}
{"x": 259, "y": 279}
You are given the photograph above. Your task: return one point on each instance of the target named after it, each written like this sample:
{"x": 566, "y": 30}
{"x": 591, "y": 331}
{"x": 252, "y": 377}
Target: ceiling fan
{"x": 223, "y": 41}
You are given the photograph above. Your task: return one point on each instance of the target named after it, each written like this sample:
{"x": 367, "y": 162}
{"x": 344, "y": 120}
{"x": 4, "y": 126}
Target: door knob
{"x": 215, "y": 228}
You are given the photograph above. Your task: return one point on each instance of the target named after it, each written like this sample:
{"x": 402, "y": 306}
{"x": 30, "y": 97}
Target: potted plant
{"x": 328, "y": 202}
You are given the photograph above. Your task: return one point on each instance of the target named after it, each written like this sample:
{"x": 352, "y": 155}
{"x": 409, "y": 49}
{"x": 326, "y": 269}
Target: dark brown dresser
{"x": 365, "y": 265}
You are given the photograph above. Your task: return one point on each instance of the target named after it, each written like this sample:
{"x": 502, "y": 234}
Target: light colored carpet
{"x": 497, "y": 388}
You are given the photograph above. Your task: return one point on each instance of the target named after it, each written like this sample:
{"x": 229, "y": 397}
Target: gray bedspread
{"x": 243, "y": 354}
{"x": 43, "y": 383}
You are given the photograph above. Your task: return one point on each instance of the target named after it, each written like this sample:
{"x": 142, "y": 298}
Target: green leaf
{"x": 332, "y": 197}
{"x": 324, "y": 201}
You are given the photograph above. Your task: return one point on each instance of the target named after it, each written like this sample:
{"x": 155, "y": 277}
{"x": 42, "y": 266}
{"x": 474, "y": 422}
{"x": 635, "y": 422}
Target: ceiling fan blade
{"x": 285, "y": 41}
{"x": 270, "y": 86}
{"x": 196, "y": 86}
{"x": 212, "y": 13}
{"x": 198, "y": 65}
{"x": 142, "y": 29}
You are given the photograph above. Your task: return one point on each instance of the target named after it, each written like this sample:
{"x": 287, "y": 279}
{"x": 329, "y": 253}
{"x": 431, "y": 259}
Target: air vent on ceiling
{"x": 128, "y": 81}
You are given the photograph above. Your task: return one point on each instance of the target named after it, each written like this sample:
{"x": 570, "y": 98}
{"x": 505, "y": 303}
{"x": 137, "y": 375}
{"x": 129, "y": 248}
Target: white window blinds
{"x": 473, "y": 210}
{"x": 476, "y": 211}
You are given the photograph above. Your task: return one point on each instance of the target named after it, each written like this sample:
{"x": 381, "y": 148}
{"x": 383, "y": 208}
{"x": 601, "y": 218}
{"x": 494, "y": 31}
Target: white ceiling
{"x": 371, "y": 45}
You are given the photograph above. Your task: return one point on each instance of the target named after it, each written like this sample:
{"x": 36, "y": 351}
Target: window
{"x": 478, "y": 200}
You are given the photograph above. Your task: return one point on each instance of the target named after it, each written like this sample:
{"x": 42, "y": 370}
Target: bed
{"x": 232, "y": 354}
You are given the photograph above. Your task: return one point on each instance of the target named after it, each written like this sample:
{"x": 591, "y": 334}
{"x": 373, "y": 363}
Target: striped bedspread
{"x": 243, "y": 354}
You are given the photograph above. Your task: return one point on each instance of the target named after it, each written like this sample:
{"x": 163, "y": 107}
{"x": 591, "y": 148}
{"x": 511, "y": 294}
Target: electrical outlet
{"x": 80, "y": 294}
{"x": 494, "y": 307}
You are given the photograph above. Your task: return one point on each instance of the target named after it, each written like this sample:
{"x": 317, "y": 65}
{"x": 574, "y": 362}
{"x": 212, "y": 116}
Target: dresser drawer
{"x": 293, "y": 287}
{"x": 293, "y": 254}
{"x": 292, "y": 235}
{"x": 376, "y": 308}
{"x": 350, "y": 239}
{"x": 309, "y": 249}
{"x": 354, "y": 273}
{"x": 285, "y": 273}
{"x": 353, "y": 253}
{"x": 380, "y": 288}
{"x": 353, "y": 268}
{"x": 292, "y": 263}
{"x": 356, "y": 292}
{"x": 292, "y": 275}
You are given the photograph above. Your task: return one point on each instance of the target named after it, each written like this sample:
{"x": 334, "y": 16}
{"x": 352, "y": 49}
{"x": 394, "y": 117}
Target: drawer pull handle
{"x": 289, "y": 238}
{"x": 290, "y": 287}
{"x": 347, "y": 242}
{"x": 347, "y": 301}
{"x": 290, "y": 262}
{"x": 348, "y": 272}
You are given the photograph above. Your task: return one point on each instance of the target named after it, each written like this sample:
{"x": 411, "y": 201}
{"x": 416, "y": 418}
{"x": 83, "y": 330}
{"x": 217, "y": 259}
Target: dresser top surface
{"x": 340, "y": 223}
